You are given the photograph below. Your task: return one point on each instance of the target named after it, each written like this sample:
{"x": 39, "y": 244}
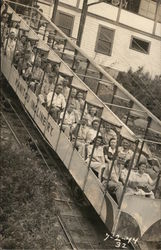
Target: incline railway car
{"x": 115, "y": 164}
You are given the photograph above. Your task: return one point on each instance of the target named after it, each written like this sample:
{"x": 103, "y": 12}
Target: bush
{"x": 27, "y": 210}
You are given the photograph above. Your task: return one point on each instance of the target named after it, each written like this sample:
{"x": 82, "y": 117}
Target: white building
{"x": 115, "y": 37}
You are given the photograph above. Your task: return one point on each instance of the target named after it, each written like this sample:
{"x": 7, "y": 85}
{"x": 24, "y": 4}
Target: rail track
{"x": 82, "y": 229}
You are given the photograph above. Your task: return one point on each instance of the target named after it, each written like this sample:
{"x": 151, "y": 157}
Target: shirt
{"x": 98, "y": 155}
{"x": 37, "y": 74}
{"x": 107, "y": 136}
{"x": 83, "y": 133}
{"x": 65, "y": 92}
{"x": 58, "y": 100}
{"x": 10, "y": 47}
{"x": 127, "y": 155}
{"x": 69, "y": 118}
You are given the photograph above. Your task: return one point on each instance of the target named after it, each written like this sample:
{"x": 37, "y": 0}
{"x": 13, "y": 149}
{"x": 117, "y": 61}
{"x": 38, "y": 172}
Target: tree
{"x": 144, "y": 88}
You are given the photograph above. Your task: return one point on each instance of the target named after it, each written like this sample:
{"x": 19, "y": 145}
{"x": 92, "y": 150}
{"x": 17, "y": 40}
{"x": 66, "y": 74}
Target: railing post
{"x": 56, "y": 3}
{"x": 65, "y": 110}
{"x": 82, "y": 22}
{"x": 77, "y": 132}
{"x": 98, "y": 85}
{"x": 128, "y": 174}
{"x": 112, "y": 164}
{"x": 145, "y": 134}
{"x": 128, "y": 114}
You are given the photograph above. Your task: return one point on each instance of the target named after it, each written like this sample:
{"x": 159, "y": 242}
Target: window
{"x": 104, "y": 40}
{"x": 65, "y": 22}
{"x": 140, "y": 45}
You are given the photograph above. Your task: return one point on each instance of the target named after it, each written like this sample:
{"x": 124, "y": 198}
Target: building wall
{"x": 122, "y": 57}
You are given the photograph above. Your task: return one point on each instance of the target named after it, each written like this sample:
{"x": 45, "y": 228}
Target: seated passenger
{"x": 26, "y": 71}
{"x": 14, "y": 28}
{"x": 80, "y": 102}
{"x": 24, "y": 59}
{"x": 93, "y": 130}
{"x": 82, "y": 137}
{"x": 37, "y": 75}
{"x": 124, "y": 150}
{"x": 58, "y": 45}
{"x": 21, "y": 43}
{"x": 9, "y": 45}
{"x": 139, "y": 182}
{"x": 110, "y": 150}
{"x": 66, "y": 89}
{"x": 58, "y": 103}
{"x": 72, "y": 98}
{"x": 108, "y": 133}
{"x": 91, "y": 115}
{"x": 4, "y": 27}
{"x": 98, "y": 160}
{"x": 70, "y": 120}
{"x": 46, "y": 88}
{"x": 114, "y": 185}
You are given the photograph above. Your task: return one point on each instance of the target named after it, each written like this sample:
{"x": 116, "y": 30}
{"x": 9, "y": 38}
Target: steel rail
{"x": 9, "y": 126}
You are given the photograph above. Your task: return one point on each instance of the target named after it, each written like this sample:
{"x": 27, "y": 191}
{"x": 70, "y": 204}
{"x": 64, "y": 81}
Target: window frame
{"x": 97, "y": 40}
{"x": 73, "y": 19}
{"x": 141, "y": 39}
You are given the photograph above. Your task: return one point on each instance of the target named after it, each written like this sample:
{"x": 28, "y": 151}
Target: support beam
{"x": 82, "y": 22}
{"x": 53, "y": 18}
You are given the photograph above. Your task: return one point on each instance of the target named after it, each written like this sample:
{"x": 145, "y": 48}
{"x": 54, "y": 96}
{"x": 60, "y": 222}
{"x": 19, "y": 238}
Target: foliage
{"x": 27, "y": 210}
{"x": 144, "y": 88}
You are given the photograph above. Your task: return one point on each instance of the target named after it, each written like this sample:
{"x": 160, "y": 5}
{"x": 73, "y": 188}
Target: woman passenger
{"x": 110, "y": 150}
{"x": 91, "y": 115}
{"x": 98, "y": 160}
{"x": 139, "y": 182}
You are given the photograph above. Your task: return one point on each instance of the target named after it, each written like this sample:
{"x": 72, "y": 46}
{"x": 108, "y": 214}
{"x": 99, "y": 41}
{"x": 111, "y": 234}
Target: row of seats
{"x": 102, "y": 150}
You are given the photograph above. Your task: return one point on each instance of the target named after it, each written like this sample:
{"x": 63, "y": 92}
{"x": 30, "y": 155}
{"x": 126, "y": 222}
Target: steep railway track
{"x": 82, "y": 229}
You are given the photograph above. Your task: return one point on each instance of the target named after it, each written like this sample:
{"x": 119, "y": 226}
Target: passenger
{"x": 58, "y": 45}
{"x": 139, "y": 182}
{"x": 82, "y": 137}
{"x": 72, "y": 98}
{"x": 58, "y": 102}
{"x": 46, "y": 88}
{"x": 93, "y": 130}
{"x": 48, "y": 74}
{"x": 98, "y": 160}
{"x": 66, "y": 89}
{"x": 70, "y": 120}
{"x": 153, "y": 168}
{"x": 91, "y": 115}
{"x": 21, "y": 44}
{"x": 124, "y": 150}
{"x": 80, "y": 101}
{"x": 37, "y": 75}
{"x": 26, "y": 72}
{"x": 114, "y": 185}
{"x": 9, "y": 45}
{"x": 14, "y": 28}
{"x": 23, "y": 62}
{"x": 4, "y": 27}
{"x": 110, "y": 150}
{"x": 108, "y": 133}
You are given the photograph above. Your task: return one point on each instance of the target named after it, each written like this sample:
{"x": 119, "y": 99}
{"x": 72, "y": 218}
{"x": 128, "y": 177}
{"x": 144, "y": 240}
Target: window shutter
{"x": 104, "y": 40}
